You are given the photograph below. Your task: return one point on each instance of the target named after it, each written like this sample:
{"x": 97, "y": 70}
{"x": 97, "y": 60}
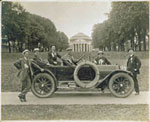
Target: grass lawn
{"x": 11, "y": 83}
{"x": 75, "y": 112}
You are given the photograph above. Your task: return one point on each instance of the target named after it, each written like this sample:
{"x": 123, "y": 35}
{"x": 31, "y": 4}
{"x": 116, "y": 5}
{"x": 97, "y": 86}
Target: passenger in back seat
{"x": 101, "y": 60}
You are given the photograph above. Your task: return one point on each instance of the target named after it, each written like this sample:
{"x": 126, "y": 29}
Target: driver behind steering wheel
{"x": 68, "y": 59}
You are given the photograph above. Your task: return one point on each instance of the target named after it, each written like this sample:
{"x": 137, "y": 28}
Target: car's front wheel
{"x": 121, "y": 85}
{"x": 43, "y": 85}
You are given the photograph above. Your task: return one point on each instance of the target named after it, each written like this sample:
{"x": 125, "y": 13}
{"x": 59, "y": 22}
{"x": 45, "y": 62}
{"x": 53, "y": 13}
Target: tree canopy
{"x": 127, "y": 22}
{"x": 22, "y": 29}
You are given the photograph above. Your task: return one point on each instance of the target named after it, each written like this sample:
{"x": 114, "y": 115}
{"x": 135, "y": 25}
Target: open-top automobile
{"x": 85, "y": 75}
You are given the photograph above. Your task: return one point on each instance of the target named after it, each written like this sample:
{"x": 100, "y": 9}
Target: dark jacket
{"x": 134, "y": 64}
{"x": 52, "y": 57}
{"x": 102, "y": 61}
{"x": 25, "y": 68}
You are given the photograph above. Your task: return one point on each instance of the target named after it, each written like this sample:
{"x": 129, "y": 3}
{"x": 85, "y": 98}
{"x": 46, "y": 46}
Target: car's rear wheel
{"x": 43, "y": 85}
{"x": 121, "y": 85}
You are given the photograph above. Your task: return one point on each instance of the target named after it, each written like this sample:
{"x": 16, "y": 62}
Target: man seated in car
{"x": 53, "y": 56}
{"x": 101, "y": 60}
{"x": 68, "y": 59}
{"x": 36, "y": 57}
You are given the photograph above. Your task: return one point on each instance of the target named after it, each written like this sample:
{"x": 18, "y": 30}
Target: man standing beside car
{"x": 24, "y": 75}
{"x": 133, "y": 65}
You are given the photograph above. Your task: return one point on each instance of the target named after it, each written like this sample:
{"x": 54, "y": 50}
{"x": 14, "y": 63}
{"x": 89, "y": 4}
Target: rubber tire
{"x": 116, "y": 76}
{"x": 53, "y": 85}
{"x": 92, "y": 83}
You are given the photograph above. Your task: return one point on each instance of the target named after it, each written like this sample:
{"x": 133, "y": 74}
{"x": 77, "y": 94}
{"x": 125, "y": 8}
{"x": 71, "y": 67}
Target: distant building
{"x": 81, "y": 43}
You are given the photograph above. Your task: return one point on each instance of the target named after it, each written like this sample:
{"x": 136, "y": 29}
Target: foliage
{"x": 29, "y": 29}
{"x": 13, "y": 22}
{"x": 126, "y": 21}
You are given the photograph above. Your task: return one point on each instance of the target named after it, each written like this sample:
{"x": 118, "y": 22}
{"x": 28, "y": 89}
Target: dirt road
{"x": 71, "y": 98}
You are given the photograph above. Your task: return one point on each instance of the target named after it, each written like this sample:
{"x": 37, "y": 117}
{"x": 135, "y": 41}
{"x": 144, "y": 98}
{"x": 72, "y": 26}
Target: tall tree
{"x": 62, "y": 41}
{"x": 126, "y": 21}
{"x": 13, "y": 22}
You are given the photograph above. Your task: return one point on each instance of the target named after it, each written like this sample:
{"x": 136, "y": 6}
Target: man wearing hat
{"x": 36, "y": 57}
{"x": 68, "y": 59}
{"x": 133, "y": 65}
{"x": 53, "y": 55}
{"x": 24, "y": 75}
{"x": 101, "y": 60}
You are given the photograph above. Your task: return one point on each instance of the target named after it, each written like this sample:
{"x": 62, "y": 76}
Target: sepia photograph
{"x": 75, "y": 60}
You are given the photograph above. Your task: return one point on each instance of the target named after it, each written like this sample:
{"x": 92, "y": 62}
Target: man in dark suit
{"x": 37, "y": 59}
{"x": 133, "y": 65}
{"x": 53, "y": 56}
{"x": 101, "y": 60}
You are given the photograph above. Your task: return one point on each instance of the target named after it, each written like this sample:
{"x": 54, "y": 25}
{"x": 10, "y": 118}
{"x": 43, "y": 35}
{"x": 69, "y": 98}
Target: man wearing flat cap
{"x": 24, "y": 75}
{"x": 24, "y": 65}
{"x": 53, "y": 56}
{"x": 133, "y": 65}
{"x": 101, "y": 60}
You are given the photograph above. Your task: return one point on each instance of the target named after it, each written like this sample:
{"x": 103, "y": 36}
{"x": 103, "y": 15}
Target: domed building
{"x": 81, "y": 43}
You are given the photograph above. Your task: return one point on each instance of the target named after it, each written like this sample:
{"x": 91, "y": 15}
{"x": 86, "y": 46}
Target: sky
{"x": 71, "y": 17}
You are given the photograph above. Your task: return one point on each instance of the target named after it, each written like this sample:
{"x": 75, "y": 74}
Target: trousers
{"x": 26, "y": 85}
{"x": 136, "y": 85}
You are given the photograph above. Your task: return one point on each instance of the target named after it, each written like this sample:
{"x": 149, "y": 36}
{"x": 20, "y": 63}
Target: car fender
{"x": 50, "y": 73}
{"x": 106, "y": 79}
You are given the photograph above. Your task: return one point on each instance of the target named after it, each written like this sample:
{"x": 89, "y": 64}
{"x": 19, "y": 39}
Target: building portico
{"x": 81, "y": 43}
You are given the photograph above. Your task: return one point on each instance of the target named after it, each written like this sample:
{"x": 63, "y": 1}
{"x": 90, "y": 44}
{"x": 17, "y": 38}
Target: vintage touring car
{"x": 86, "y": 75}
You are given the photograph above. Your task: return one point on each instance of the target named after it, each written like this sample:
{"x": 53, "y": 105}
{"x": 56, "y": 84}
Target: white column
{"x": 73, "y": 47}
{"x": 83, "y": 47}
{"x": 80, "y": 47}
{"x": 77, "y": 47}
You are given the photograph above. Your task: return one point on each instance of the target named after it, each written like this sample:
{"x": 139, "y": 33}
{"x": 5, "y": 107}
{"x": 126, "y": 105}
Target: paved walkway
{"x": 70, "y": 98}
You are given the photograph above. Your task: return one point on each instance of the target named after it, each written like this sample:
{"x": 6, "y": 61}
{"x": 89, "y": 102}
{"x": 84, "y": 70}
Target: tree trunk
{"x": 13, "y": 46}
{"x": 9, "y": 47}
{"x": 148, "y": 42}
{"x": 114, "y": 46}
{"x": 21, "y": 47}
{"x": 139, "y": 39}
{"x": 132, "y": 43}
{"x": 122, "y": 46}
{"x": 144, "y": 41}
